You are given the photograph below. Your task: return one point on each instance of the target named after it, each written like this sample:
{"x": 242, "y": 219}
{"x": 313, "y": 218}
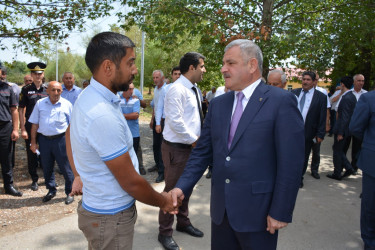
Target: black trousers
{"x": 315, "y": 160}
{"x": 308, "y": 146}
{"x": 356, "y": 148}
{"x": 340, "y": 161}
{"x": 32, "y": 158}
{"x": 157, "y": 139}
{"x": 6, "y": 148}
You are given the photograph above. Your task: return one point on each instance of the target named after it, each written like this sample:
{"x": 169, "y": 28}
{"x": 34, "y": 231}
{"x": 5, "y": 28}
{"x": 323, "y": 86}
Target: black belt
{"x": 177, "y": 145}
{"x": 3, "y": 122}
{"x": 51, "y": 137}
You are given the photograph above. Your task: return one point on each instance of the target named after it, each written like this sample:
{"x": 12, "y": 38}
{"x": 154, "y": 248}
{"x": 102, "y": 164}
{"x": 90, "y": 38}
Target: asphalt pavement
{"x": 326, "y": 216}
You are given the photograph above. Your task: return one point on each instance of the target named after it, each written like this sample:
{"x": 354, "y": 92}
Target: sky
{"x": 74, "y": 42}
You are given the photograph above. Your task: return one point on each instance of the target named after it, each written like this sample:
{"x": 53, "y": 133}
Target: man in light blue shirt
{"x": 100, "y": 149}
{"x": 50, "y": 119}
{"x": 70, "y": 91}
{"x": 130, "y": 108}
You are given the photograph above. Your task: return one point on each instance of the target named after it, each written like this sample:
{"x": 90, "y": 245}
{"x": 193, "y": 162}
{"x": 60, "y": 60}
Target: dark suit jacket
{"x": 315, "y": 123}
{"x": 345, "y": 112}
{"x": 362, "y": 126}
{"x": 261, "y": 172}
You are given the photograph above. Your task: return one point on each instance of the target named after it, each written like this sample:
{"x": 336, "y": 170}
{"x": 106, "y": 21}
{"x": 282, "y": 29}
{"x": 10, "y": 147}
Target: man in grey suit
{"x": 362, "y": 126}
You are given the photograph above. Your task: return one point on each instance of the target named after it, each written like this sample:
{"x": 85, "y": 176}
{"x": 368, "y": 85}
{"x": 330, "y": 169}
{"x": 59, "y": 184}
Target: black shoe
{"x": 334, "y": 176}
{"x": 315, "y": 175}
{"x": 168, "y": 242}
{"x": 34, "y": 186}
{"x": 301, "y": 184}
{"x": 160, "y": 178}
{"x": 209, "y": 174}
{"x": 12, "y": 191}
{"x": 142, "y": 171}
{"x": 49, "y": 196}
{"x": 348, "y": 172}
{"x": 190, "y": 230}
{"x": 69, "y": 199}
{"x": 154, "y": 168}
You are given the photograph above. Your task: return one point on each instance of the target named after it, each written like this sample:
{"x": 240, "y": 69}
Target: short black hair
{"x": 309, "y": 73}
{"x": 107, "y": 46}
{"x": 347, "y": 81}
{"x": 175, "y": 69}
{"x": 190, "y": 58}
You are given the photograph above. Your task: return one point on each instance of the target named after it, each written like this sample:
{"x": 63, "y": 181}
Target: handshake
{"x": 172, "y": 201}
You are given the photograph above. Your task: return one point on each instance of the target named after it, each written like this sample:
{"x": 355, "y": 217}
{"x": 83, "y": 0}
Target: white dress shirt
{"x": 324, "y": 91}
{"x": 358, "y": 94}
{"x": 334, "y": 104}
{"x": 247, "y": 92}
{"x": 182, "y": 120}
{"x": 308, "y": 98}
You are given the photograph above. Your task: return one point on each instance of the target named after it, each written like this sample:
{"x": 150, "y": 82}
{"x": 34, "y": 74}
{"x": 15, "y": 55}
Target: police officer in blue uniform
{"x": 8, "y": 133}
{"x": 50, "y": 119}
{"x": 30, "y": 94}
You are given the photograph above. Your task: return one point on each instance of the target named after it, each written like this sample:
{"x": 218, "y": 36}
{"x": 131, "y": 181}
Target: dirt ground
{"x": 22, "y": 213}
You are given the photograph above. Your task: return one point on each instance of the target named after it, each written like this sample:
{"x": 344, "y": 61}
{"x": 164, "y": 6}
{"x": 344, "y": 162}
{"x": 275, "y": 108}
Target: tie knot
{"x": 305, "y": 91}
{"x": 240, "y": 96}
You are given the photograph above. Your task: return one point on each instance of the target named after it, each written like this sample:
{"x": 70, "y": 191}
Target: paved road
{"x": 326, "y": 217}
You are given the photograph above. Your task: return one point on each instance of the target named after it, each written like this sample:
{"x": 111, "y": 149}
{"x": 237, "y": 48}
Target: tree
{"x": 32, "y": 21}
{"x": 16, "y": 71}
{"x": 306, "y": 31}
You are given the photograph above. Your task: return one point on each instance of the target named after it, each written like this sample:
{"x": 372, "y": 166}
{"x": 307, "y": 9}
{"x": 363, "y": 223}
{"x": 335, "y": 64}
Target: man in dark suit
{"x": 257, "y": 156}
{"x": 313, "y": 107}
{"x": 362, "y": 126}
{"x": 341, "y": 131}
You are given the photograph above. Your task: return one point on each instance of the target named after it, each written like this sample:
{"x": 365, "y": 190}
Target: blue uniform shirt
{"x": 99, "y": 133}
{"x": 53, "y": 119}
{"x": 138, "y": 94}
{"x": 71, "y": 95}
{"x": 127, "y": 107}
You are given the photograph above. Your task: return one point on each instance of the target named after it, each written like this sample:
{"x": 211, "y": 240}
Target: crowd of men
{"x": 238, "y": 130}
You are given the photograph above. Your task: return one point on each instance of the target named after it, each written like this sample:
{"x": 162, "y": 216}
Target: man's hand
{"x": 158, "y": 129}
{"x": 328, "y": 127}
{"x": 177, "y": 196}
{"x": 168, "y": 206}
{"x": 34, "y": 147}
{"x": 24, "y": 135}
{"x": 151, "y": 123}
{"x": 76, "y": 186}
{"x": 340, "y": 137}
{"x": 273, "y": 224}
{"x": 15, "y": 135}
{"x": 318, "y": 140}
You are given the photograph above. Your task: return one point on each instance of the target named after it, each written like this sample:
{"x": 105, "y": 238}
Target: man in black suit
{"x": 313, "y": 107}
{"x": 341, "y": 131}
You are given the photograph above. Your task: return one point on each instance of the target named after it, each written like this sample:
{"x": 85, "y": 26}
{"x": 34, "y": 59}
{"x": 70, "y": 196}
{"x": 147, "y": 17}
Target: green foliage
{"x": 16, "y": 71}
{"x": 68, "y": 62}
{"x": 32, "y": 21}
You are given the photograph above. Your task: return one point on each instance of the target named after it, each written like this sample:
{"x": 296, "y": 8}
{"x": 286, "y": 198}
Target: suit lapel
{"x": 313, "y": 101}
{"x": 227, "y": 112}
{"x": 257, "y": 99}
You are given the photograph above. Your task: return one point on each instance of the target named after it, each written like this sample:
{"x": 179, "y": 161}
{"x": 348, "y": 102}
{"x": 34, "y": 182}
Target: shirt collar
{"x": 105, "y": 92}
{"x": 73, "y": 88}
{"x": 49, "y": 101}
{"x": 186, "y": 82}
{"x": 248, "y": 91}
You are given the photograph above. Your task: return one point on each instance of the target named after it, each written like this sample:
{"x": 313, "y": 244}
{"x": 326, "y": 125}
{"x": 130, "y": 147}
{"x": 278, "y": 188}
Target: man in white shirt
{"x": 211, "y": 94}
{"x": 183, "y": 122}
{"x": 359, "y": 81}
{"x": 158, "y": 78}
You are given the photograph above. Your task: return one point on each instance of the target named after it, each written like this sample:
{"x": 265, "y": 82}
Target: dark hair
{"x": 347, "y": 81}
{"x": 190, "y": 58}
{"x": 107, "y": 46}
{"x": 175, "y": 69}
{"x": 309, "y": 73}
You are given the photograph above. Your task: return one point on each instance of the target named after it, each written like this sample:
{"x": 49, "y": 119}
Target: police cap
{"x": 36, "y": 67}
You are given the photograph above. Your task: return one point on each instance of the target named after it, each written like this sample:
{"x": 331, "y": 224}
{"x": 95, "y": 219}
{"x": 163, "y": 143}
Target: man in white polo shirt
{"x": 100, "y": 148}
